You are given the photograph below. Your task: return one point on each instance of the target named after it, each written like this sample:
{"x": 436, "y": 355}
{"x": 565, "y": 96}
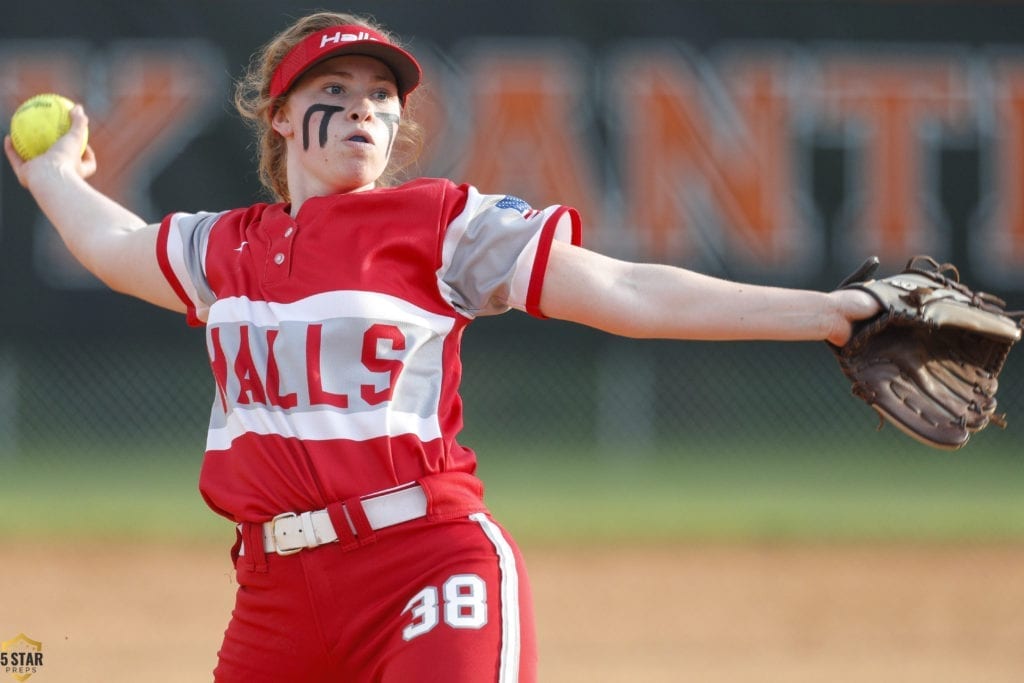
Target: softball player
{"x": 333, "y": 319}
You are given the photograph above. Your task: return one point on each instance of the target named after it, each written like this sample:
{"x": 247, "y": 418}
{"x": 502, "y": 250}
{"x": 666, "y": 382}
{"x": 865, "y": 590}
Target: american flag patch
{"x": 510, "y": 202}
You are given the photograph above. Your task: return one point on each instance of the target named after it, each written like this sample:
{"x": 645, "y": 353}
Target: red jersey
{"x": 334, "y": 336}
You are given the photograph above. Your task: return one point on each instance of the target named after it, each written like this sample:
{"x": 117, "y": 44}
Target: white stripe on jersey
{"x": 321, "y": 425}
{"x": 177, "y": 256}
{"x": 508, "y": 669}
{"x": 325, "y": 306}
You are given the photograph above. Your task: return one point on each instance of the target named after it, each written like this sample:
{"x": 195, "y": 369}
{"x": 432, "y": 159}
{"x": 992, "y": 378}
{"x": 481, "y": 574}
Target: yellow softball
{"x": 39, "y": 122}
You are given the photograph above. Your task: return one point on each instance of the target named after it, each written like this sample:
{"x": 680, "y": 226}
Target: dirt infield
{"x": 688, "y": 613}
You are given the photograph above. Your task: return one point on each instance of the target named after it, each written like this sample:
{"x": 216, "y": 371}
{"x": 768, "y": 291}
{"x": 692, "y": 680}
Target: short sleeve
{"x": 496, "y": 250}
{"x": 181, "y": 251}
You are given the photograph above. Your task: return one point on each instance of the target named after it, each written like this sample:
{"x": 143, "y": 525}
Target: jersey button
{"x": 288, "y": 232}
{"x": 279, "y": 258}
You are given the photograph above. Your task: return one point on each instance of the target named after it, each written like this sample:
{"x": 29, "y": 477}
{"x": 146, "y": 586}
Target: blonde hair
{"x": 253, "y": 102}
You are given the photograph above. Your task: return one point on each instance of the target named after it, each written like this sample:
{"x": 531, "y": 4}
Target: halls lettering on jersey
{"x": 382, "y": 378}
{"x": 264, "y": 387}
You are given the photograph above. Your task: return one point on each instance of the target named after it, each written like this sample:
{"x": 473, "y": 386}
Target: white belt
{"x": 291, "y": 532}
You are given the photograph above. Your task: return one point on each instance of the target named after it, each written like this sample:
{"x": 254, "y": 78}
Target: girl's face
{"x": 339, "y": 122}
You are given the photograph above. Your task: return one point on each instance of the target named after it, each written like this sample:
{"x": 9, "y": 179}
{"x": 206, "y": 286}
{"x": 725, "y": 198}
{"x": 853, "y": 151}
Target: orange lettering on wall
{"x": 29, "y": 73}
{"x": 886, "y": 103}
{"x": 526, "y": 136}
{"x": 146, "y": 107}
{"x": 150, "y": 98}
{"x": 1002, "y": 237}
{"x": 706, "y": 174}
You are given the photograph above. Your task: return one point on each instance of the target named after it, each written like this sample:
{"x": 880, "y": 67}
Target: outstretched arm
{"x": 658, "y": 301}
{"x": 110, "y": 241}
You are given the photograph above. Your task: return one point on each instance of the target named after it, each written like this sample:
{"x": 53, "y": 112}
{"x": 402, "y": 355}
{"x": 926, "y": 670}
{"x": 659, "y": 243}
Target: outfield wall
{"x": 774, "y": 141}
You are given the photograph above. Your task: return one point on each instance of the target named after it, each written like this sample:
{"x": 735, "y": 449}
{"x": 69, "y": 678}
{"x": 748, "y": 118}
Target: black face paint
{"x": 391, "y": 121}
{"x": 328, "y": 111}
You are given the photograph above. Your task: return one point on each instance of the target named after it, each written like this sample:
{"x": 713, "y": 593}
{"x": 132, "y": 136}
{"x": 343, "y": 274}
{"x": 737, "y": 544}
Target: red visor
{"x": 346, "y": 40}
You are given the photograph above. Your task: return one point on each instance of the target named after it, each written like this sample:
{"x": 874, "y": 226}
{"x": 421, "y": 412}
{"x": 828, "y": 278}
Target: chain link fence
{"x": 530, "y": 385}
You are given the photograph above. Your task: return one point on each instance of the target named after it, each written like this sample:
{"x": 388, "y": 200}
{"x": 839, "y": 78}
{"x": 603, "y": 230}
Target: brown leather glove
{"x": 929, "y": 363}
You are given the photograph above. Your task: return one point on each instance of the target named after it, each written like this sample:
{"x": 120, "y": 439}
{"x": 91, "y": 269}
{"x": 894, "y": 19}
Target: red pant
{"x": 428, "y": 600}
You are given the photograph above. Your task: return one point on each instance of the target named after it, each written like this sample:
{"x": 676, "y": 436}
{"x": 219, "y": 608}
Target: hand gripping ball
{"x": 39, "y": 122}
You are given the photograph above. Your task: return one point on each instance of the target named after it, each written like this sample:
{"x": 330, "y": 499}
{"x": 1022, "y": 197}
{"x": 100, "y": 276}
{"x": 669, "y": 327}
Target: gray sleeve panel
{"x": 482, "y": 249}
{"x": 194, "y": 234}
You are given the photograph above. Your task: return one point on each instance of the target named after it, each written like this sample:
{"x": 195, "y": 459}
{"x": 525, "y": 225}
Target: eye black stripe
{"x": 329, "y": 111}
{"x": 392, "y": 122}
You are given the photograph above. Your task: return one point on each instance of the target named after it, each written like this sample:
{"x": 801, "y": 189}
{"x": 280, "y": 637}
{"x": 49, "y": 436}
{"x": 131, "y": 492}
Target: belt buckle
{"x": 273, "y": 533}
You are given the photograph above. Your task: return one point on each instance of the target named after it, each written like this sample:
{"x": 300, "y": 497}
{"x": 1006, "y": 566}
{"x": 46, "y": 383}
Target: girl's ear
{"x": 281, "y": 123}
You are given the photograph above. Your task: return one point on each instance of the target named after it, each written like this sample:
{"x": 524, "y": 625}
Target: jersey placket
{"x": 280, "y": 253}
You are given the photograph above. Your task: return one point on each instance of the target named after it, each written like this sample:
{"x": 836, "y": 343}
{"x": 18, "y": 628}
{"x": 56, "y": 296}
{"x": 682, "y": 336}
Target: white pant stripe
{"x": 508, "y": 671}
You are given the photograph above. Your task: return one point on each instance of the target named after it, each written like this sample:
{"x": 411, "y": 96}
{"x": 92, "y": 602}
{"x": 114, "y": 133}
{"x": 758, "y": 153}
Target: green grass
{"x": 114, "y": 495}
{"x": 784, "y": 493}
{"x": 713, "y": 492}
